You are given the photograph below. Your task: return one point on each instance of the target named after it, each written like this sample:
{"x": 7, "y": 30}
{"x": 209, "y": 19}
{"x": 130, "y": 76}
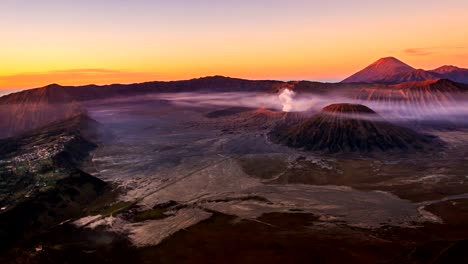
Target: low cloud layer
{"x": 419, "y": 51}
{"x": 21, "y": 117}
{"x": 288, "y": 101}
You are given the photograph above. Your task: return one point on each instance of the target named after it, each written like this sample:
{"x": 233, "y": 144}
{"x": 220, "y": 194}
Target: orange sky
{"x": 114, "y": 41}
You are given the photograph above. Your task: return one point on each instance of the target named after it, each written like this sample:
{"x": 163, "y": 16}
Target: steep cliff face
{"x": 20, "y": 118}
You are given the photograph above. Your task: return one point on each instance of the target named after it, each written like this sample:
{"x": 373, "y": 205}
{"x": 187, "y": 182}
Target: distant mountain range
{"x": 392, "y": 71}
{"x": 385, "y": 80}
{"x": 30, "y": 109}
{"x": 54, "y": 93}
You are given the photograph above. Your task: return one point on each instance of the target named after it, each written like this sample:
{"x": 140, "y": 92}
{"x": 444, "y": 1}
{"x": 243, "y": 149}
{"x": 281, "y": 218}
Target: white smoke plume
{"x": 287, "y": 99}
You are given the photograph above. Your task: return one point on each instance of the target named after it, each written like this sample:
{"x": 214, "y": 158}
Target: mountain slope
{"x": 453, "y": 73}
{"x": 350, "y": 128}
{"x": 436, "y": 100}
{"x": 22, "y": 117}
{"x": 42, "y": 185}
{"x": 391, "y": 70}
{"x": 439, "y": 92}
{"x": 412, "y": 76}
{"x": 381, "y": 69}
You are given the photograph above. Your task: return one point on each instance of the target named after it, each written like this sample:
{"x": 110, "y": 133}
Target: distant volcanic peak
{"x": 379, "y": 70}
{"x": 388, "y": 61}
{"x": 390, "y": 65}
{"x": 391, "y": 71}
{"x": 348, "y": 109}
{"x": 446, "y": 69}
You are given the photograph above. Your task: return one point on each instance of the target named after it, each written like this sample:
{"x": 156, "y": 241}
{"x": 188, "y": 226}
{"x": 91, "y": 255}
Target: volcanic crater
{"x": 350, "y": 128}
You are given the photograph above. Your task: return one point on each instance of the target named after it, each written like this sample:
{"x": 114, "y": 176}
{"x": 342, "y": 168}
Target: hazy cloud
{"x": 393, "y": 111}
{"x": 253, "y": 100}
{"x": 432, "y": 50}
{"x": 86, "y": 71}
{"x": 419, "y": 51}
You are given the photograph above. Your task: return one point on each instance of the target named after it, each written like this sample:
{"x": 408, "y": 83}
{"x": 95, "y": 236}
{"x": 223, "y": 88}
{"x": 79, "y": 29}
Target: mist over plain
{"x": 289, "y": 101}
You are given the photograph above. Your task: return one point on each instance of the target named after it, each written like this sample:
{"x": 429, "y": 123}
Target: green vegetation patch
{"x": 115, "y": 208}
{"x": 153, "y": 214}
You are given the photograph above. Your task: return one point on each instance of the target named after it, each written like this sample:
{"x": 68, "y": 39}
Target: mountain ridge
{"x": 66, "y": 94}
{"x": 392, "y": 71}
{"x": 378, "y": 70}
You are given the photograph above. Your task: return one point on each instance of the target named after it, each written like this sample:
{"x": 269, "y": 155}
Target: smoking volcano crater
{"x": 350, "y": 128}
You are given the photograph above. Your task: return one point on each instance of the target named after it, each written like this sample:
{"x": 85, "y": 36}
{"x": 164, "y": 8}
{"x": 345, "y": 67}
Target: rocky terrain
{"x": 216, "y": 167}
{"x": 181, "y": 188}
{"x": 350, "y": 128}
{"x": 31, "y": 109}
{"x": 41, "y": 184}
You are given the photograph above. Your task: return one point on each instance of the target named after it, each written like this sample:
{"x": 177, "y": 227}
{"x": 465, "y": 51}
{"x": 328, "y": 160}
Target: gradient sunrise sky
{"x": 75, "y": 42}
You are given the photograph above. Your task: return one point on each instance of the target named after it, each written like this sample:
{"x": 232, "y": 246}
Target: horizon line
{"x": 320, "y": 80}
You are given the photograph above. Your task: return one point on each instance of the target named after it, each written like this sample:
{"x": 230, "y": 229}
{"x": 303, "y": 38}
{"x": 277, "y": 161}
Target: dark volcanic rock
{"x": 350, "y": 128}
{"x": 348, "y": 109}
